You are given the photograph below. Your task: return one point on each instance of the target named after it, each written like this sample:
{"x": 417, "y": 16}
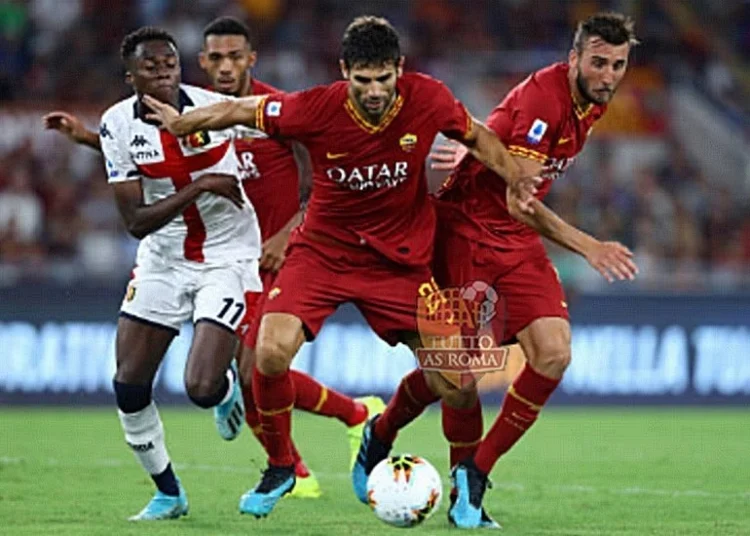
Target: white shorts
{"x": 169, "y": 295}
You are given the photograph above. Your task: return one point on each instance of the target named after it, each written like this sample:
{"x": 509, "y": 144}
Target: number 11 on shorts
{"x": 240, "y": 308}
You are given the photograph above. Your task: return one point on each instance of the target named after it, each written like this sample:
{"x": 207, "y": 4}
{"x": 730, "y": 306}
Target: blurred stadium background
{"x": 667, "y": 172}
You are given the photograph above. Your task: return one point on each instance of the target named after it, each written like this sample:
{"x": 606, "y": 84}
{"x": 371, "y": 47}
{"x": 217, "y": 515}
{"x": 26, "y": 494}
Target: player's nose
{"x": 225, "y": 67}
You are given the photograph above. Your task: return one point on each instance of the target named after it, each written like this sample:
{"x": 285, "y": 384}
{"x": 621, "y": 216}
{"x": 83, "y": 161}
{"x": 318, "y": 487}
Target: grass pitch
{"x": 578, "y": 472}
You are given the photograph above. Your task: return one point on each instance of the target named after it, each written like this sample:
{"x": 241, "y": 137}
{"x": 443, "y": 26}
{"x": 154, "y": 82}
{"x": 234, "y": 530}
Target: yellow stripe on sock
{"x": 272, "y": 412}
{"x": 460, "y": 444}
{"x": 534, "y": 407}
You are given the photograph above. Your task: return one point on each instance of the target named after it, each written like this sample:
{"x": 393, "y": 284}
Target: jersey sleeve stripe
{"x": 517, "y": 150}
{"x": 469, "y": 123}
{"x": 259, "y": 114}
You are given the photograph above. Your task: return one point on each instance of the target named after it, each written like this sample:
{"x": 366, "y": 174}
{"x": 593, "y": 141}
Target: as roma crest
{"x": 408, "y": 142}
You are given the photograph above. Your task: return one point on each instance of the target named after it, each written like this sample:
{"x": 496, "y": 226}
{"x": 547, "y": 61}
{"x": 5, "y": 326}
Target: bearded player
{"x": 544, "y": 121}
{"x": 369, "y": 229}
{"x": 270, "y": 171}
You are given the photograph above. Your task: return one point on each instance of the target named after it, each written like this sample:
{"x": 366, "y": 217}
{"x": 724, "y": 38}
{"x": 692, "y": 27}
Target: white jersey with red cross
{"x": 211, "y": 230}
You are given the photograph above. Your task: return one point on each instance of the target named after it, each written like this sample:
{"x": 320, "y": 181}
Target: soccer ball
{"x": 404, "y": 490}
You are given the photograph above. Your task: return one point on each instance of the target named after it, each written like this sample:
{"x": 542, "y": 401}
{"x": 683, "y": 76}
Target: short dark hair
{"x": 142, "y": 35}
{"x": 614, "y": 28}
{"x": 370, "y": 41}
{"x": 227, "y": 26}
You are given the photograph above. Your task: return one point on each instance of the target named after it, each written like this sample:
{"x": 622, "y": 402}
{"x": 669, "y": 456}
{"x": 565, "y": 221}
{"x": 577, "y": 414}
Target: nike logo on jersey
{"x": 335, "y": 156}
{"x": 564, "y": 141}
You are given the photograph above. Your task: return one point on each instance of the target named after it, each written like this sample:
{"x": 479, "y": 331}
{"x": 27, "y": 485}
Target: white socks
{"x": 144, "y": 433}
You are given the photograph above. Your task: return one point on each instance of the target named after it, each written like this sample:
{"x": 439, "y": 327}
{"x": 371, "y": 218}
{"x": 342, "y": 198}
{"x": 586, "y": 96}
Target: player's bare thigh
{"x": 139, "y": 349}
{"x": 211, "y": 351}
{"x": 546, "y": 343}
{"x": 280, "y": 336}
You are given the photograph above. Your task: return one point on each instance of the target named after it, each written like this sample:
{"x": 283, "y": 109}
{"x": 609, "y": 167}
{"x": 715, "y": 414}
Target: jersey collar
{"x": 362, "y": 121}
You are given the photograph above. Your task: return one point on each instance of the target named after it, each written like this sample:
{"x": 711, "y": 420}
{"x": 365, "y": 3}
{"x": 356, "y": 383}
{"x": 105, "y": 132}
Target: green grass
{"x": 579, "y": 472}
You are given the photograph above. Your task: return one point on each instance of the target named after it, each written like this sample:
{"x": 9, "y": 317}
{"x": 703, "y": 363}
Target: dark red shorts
{"x": 526, "y": 282}
{"x": 248, "y": 328}
{"x": 316, "y": 278}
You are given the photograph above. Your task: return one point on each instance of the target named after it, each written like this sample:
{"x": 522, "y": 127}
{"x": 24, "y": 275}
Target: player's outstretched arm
{"x": 215, "y": 116}
{"x": 611, "y": 259}
{"x": 73, "y": 128}
{"x": 141, "y": 219}
{"x": 486, "y": 147}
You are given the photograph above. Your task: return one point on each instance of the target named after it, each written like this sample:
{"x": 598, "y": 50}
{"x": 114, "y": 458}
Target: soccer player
{"x": 544, "y": 121}
{"x": 270, "y": 171}
{"x": 197, "y": 257}
{"x": 368, "y": 232}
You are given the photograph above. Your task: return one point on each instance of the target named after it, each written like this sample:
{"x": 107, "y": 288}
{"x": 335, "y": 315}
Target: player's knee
{"x": 273, "y": 357}
{"x": 130, "y": 373}
{"x": 552, "y": 358}
{"x": 205, "y": 392}
{"x": 131, "y": 398}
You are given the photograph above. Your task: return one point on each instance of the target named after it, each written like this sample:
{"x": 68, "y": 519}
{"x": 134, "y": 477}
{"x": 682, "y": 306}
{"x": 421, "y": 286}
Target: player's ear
{"x": 344, "y": 69}
{"x": 129, "y": 78}
{"x": 400, "y": 65}
{"x": 572, "y": 57}
{"x": 252, "y": 58}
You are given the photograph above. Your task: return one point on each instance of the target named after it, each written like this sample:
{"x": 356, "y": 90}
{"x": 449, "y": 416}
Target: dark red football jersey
{"x": 539, "y": 120}
{"x": 269, "y": 175}
{"x": 369, "y": 184}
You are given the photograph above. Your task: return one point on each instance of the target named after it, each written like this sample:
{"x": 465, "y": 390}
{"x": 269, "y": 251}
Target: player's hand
{"x": 612, "y": 260}
{"x": 164, "y": 114}
{"x": 272, "y": 255}
{"x": 522, "y": 193}
{"x": 445, "y": 157}
{"x": 224, "y": 185}
{"x": 67, "y": 124}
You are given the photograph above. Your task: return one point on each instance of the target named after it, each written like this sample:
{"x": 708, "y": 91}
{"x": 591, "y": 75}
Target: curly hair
{"x": 142, "y": 35}
{"x": 370, "y": 41}
{"x": 614, "y": 28}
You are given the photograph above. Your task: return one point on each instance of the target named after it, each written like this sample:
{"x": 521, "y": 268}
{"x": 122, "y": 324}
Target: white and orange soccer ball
{"x": 404, "y": 490}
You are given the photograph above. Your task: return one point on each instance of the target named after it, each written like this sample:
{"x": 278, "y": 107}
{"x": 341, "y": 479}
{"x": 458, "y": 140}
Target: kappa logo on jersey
{"x": 104, "y": 132}
{"x": 372, "y": 177}
{"x": 536, "y": 132}
{"x": 273, "y": 109}
{"x": 139, "y": 141}
{"x": 197, "y": 139}
{"x": 408, "y": 142}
